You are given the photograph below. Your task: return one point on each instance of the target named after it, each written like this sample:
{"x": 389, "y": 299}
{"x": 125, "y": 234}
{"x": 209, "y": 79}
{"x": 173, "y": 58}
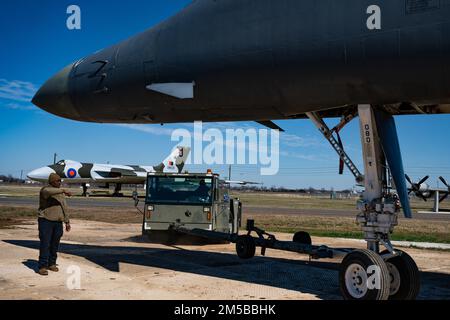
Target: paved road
{"x": 129, "y": 203}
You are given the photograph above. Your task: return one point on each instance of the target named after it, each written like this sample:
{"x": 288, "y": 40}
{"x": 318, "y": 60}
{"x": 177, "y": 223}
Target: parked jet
{"x": 74, "y": 172}
{"x": 263, "y": 60}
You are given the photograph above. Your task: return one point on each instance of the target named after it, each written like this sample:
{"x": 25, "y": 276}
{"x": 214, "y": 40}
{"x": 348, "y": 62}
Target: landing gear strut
{"x": 85, "y": 190}
{"x": 369, "y": 274}
{"x": 117, "y": 190}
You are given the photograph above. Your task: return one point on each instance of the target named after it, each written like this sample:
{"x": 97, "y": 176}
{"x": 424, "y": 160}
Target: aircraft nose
{"x": 54, "y": 98}
{"x": 40, "y": 174}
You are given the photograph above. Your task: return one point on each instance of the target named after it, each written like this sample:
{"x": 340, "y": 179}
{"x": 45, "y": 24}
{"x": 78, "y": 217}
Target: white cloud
{"x": 17, "y": 90}
{"x": 21, "y": 107}
{"x": 295, "y": 141}
{"x": 151, "y": 129}
{"x": 303, "y": 156}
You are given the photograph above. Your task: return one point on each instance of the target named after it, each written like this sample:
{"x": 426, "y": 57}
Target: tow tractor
{"x": 175, "y": 203}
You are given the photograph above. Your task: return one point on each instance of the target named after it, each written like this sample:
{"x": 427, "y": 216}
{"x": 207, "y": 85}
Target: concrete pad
{"x": 116, "y": 263}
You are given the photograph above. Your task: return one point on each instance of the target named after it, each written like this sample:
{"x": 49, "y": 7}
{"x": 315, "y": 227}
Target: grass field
{"x": 408, "y": 230}
{"x": 307, "y": 202}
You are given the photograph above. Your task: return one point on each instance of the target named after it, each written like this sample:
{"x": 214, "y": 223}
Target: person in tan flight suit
{"x": 53, "y": 212}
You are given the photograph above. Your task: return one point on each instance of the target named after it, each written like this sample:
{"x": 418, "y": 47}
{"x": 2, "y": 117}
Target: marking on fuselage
{"x": 177, "y": 90}
{"x": 137, "y": 168}
{"x": 85, "y": 170}
{"x": 71, "y": 173}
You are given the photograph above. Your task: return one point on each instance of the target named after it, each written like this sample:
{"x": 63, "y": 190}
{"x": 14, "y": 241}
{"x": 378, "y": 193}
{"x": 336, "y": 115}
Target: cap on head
{"x": 53, "y": 178}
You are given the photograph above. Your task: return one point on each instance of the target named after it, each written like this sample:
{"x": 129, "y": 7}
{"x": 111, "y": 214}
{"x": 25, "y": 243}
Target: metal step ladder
{"x": 328, "y": 134}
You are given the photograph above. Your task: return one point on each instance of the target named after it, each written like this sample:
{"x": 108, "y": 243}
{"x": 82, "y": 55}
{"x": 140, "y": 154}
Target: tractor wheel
{"x": 303, "y": 238}
{"x": 245, "y": 247}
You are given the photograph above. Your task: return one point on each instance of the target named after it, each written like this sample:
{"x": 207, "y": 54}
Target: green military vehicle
{"x": 191, "y": 201}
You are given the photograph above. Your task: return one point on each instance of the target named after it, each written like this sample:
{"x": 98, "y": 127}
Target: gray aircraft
{"x": 74, "y": 172}
{"x": 263, "y": 60}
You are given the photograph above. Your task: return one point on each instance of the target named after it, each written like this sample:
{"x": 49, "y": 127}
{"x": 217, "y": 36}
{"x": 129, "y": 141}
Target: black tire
{"x": 353, "y": 276}
{"x": 303, "y": 238}
{"x": 245, "y": 247}
{"x": 408, "y": 286}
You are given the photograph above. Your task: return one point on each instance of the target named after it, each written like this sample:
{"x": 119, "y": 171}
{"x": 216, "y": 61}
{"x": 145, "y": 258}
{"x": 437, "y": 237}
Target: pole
{"x": 54, "y": 158}
{"x": 229, "y": 172}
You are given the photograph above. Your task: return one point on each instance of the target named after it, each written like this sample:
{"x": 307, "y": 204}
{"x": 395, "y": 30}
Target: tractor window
{"x": 180, "y": 190}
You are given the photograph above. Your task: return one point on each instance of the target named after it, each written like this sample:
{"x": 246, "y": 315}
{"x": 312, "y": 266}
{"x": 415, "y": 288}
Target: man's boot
{"x": 53, "y": 268}
{"x": 43, "y": 272}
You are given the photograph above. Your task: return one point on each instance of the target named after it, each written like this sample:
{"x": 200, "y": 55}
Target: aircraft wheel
{"x": 245, "y": 247}
{"x": 404, "y": 277}
{"x": 364, "y": 275}
{"x": 303, "y": 238}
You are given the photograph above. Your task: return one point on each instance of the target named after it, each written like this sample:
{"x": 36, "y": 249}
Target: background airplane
{"x": 424, "y": 191}
{"x": 73, "y": 172}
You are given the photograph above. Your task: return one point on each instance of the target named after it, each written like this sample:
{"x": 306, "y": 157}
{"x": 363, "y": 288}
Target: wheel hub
{"x": 395, "y": 278}
{"x": 356, "y": 281}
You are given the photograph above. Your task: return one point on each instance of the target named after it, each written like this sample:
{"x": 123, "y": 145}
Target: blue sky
{"x": 36, "y": 44}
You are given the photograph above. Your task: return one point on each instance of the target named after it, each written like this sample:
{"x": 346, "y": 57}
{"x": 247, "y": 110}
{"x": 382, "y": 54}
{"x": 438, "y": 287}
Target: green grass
{"x": 345, "y": 227}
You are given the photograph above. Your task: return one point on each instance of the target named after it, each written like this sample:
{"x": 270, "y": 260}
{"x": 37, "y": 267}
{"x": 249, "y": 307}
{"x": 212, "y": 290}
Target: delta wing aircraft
{"x": 73, "y": 172}
{"x": 263, "y": 60}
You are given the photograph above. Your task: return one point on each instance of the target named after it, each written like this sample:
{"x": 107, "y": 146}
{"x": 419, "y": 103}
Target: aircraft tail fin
{"x": 176, "y": 161}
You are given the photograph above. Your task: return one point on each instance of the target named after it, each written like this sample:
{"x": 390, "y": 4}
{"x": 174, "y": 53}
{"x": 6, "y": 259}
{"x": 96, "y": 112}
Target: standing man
{"x": 52, "y": 214}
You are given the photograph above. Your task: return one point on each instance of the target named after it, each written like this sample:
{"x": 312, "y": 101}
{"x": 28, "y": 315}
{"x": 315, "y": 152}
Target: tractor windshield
{"x": 179, "y": 190}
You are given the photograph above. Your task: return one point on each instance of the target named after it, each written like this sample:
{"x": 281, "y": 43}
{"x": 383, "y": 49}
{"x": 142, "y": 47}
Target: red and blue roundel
{"x": 71, "y": 173}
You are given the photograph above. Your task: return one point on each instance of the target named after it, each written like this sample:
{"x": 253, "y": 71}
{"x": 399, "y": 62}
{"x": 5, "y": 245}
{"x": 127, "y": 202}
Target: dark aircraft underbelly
{"x": 266, "y": 59}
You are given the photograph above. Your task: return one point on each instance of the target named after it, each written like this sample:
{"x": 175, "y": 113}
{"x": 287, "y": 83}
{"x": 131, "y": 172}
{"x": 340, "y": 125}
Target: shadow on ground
{"x": 317, "y": 278}
{"x": 32, "y": 265}
{"x": 321, "y": 280}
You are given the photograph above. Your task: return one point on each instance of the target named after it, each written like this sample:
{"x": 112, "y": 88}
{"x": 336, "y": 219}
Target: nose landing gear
{"x": 369, "y": 274}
